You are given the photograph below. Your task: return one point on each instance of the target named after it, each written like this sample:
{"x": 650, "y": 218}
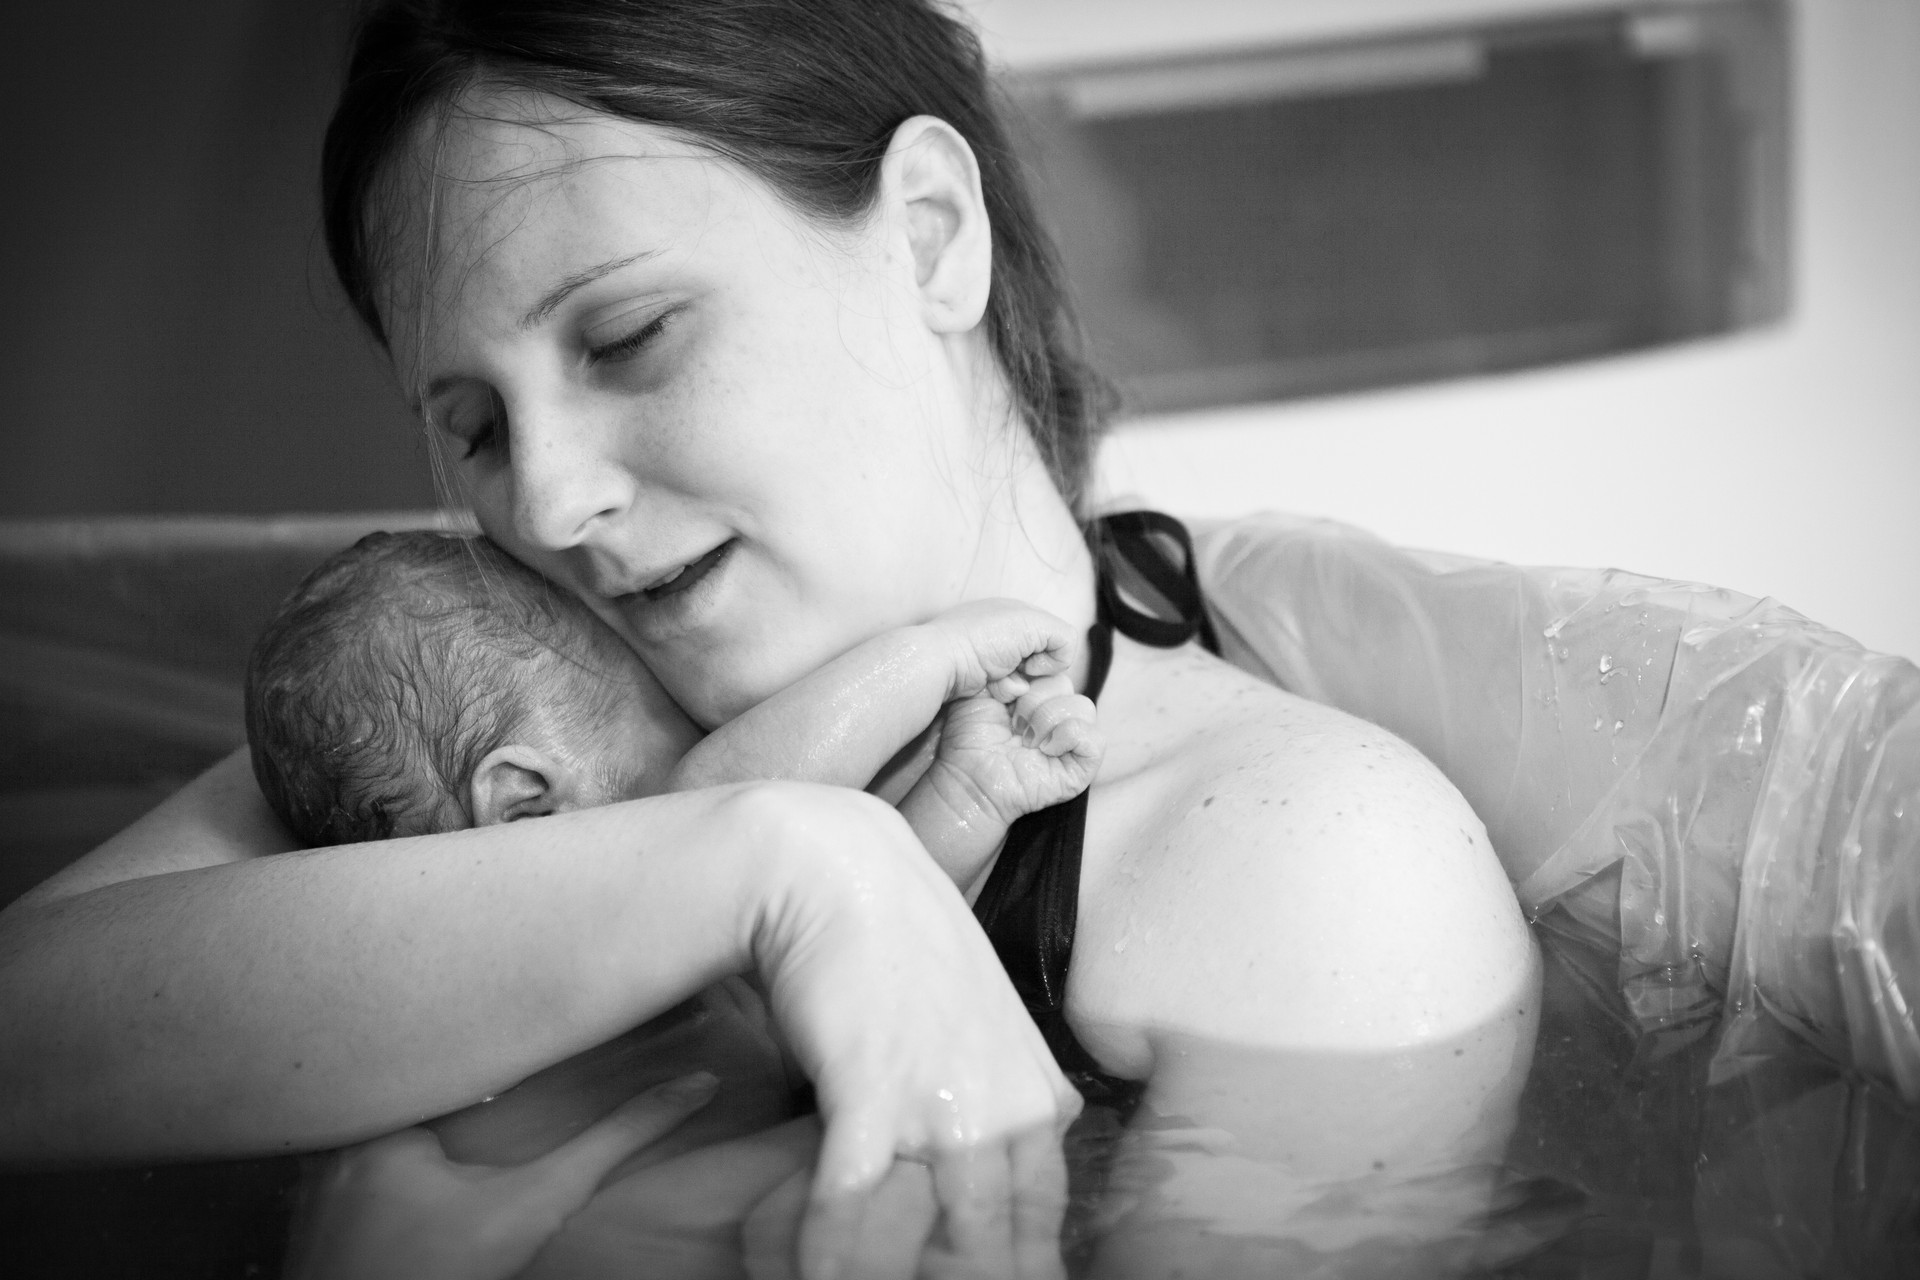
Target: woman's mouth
{"x": 685, "y": 577}
{"x": 675, "y": 600}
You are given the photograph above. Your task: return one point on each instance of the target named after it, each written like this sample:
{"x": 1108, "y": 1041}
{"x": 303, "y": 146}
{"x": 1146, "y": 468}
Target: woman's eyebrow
{"x": 549, "y": 302}
{"x": 552, "y": 299}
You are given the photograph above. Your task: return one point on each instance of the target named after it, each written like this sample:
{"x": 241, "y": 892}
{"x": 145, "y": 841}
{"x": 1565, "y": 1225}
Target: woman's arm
{"x": 171, "y": 996}
{"x": 250, "y": 1004}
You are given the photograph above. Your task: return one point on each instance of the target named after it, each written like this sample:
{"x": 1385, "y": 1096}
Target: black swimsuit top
{"x": 1148, "y": 592}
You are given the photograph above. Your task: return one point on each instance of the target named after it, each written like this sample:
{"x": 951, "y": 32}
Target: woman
{"x": 735, "y": 320}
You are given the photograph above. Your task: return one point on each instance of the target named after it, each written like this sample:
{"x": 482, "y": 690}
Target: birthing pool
{"x": 1707, "y": 804}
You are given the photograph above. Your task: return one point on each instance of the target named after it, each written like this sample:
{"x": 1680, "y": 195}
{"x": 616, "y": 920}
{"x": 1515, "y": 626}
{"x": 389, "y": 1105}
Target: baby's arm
{"x": 1017, "y": 739}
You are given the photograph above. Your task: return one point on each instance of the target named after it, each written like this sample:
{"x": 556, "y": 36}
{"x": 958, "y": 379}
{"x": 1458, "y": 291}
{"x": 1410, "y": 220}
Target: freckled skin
{"x": 1206, "y": 931}
{"x": 1378, "y": 936}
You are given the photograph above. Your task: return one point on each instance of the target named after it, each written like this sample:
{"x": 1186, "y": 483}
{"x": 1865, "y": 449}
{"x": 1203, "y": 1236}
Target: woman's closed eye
{"x": 630, "y": 342}
{"x": 475, "y": 422}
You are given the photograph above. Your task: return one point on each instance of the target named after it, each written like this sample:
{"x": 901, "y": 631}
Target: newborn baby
{"x": 423, "y": 682}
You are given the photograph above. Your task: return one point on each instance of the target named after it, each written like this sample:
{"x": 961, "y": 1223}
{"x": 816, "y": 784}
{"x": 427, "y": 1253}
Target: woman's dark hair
{"x": 804, "y": 93}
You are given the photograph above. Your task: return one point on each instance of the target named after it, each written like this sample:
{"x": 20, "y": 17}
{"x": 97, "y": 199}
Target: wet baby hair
{"x": 394, "y": 668}
{"x": 804, "y": 94}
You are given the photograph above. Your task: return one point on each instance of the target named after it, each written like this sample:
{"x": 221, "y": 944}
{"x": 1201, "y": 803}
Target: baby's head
{"x": 422, "y": 682}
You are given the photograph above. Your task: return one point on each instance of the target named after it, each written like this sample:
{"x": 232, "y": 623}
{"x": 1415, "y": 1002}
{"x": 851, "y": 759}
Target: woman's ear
{"x": 931, "y": 177}
{"x": 517, "y": 781}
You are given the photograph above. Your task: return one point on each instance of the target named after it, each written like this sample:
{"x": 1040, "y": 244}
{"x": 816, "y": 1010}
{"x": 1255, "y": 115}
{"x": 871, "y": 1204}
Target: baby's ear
{"x": 517, "y": 781}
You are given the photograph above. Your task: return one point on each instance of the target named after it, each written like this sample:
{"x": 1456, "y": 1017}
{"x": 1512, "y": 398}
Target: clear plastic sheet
{"x": 1711, "y": 808}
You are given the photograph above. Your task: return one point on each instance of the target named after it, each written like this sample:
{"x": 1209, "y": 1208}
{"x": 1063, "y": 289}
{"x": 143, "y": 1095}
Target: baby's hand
{"x": 997, "y": 762}
{"x": 999, "y": 646}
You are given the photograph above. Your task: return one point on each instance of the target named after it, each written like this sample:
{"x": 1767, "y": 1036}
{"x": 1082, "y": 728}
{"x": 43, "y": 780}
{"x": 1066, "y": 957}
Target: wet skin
{"x": 749, "y": 441}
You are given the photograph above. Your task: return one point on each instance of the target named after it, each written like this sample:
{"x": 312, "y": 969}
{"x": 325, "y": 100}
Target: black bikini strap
{"x": 1149, "y": 555}
{"x": 1099, "y": 657}
{"x": 1029, "y": 906}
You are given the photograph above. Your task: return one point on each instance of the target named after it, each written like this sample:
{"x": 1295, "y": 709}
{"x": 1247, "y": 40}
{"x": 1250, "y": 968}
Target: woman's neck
{"x": 1031, "y": 548}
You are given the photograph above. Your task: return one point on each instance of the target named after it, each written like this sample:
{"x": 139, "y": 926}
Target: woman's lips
{"x": 674, "y": 604}
{"x": 686, "y": 576}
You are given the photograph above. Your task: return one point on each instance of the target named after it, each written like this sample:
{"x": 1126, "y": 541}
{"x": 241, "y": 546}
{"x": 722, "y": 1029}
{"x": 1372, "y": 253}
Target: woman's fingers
{"x": 573, "y": 1170}
{"x": 889, "y": 1241}
{"x": 854, "y": 1156}
{"x": 899, "y": 1217}
{"x": 1039, "y": 1203}
{"x": 974, "y": 1191}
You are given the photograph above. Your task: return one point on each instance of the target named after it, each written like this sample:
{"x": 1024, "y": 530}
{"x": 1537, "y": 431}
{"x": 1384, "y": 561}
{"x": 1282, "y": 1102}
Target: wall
{"x": 1784, "y": 462}
{"x": 172, "y": 339}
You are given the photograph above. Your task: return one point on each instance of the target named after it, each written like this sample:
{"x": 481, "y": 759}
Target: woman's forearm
{"x": 257, "y": 1004}
{"x": 306, "y": 1000}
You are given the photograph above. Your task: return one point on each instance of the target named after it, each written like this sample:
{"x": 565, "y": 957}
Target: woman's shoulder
{"x": 1185, "y": 725}
{"x": 1262, "y": 865}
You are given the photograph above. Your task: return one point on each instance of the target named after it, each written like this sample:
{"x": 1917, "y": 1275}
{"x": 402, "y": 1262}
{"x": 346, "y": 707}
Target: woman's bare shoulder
{"x": 1266, "y": 869}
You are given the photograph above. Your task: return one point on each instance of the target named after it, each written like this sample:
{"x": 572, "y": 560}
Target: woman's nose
{"x": 568, "y": 479}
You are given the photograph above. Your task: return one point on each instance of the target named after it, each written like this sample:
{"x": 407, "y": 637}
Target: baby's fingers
{"x": 1057, "y": 721}
{"x": 1008, "y": 689}
{"x": 1047, "y": 662}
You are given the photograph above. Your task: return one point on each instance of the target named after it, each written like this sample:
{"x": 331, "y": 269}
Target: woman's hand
{"x": 897, "y": 1007}
{"x": 397, "y": 1207}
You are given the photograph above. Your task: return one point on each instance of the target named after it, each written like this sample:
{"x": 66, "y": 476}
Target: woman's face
{"x": 729, "y": 429}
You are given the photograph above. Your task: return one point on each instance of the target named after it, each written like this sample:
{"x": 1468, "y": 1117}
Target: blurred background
{"x": 173, "y": 339}
{"x": 1552, "y": 281}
